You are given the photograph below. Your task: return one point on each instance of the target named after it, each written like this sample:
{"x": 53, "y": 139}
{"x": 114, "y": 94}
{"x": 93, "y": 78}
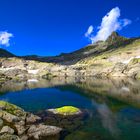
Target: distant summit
{"x": 114, "y": 38}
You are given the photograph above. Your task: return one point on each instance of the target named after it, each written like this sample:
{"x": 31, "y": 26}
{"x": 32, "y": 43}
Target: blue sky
{"x": 49, "y": 27}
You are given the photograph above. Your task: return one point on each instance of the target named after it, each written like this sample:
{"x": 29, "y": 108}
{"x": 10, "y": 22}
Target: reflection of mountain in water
{"x": 125, "y": 90}
{"x": 107, "y": 102}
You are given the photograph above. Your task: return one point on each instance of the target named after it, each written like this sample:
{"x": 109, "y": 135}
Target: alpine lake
{"x": 112, "y": 105}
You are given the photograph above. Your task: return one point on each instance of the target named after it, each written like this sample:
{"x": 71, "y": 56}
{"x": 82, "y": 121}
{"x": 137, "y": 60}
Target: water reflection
{"x": 108, "y": 119}
{"x": 126, "y": 90}
{"x": 113, "y": 104}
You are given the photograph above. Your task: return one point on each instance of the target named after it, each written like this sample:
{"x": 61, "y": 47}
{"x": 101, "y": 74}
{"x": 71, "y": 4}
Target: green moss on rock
{"x": 12, "y": 109}
{"x": 67, "y": 110}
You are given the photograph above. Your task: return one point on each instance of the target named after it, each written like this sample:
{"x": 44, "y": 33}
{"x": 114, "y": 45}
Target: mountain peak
{"x": 115, "y": 37}
{"x": 114, "y": 34}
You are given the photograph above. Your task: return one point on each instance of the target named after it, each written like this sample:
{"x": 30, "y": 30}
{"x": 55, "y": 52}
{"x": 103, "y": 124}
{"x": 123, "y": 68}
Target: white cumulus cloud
{"x": 89, "y": 31}
{"x": 126, "y": 22}
{"x": 110, "y": 22}
{"x": 5, "y": 38}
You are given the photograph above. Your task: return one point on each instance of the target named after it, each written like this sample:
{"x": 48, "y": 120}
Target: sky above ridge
{"x": 51, "y": 27}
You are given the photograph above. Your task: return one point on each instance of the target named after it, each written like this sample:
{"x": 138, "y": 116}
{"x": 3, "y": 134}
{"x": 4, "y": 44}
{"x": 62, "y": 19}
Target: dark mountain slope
{"x": 5, "y": 53}
{"x": 113, "y": 42}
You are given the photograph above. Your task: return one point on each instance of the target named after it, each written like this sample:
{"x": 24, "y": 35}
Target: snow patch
{"x": 6, "y": 69}
{"x": 33, "y": 71}
{"x": 127, "y": 61}
{"x": 137, "y": 56}
{"x": 32, "y": 80}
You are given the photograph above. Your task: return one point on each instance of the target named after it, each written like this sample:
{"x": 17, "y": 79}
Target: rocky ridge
{"x": 117, "y": 56}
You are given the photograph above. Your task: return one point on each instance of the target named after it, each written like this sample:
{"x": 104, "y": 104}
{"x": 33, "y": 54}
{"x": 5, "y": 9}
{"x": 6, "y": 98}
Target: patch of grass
{"x": 115, "y": 51}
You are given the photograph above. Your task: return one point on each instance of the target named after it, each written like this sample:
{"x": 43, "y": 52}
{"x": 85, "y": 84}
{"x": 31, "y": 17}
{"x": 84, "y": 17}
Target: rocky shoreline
{"x": 17, "y": 69}
{"x": 16, "y": 124}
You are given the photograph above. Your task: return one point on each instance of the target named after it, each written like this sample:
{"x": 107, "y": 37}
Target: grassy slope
{"x": 123, "y": 52}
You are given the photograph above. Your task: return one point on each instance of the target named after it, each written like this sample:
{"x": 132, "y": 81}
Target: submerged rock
{"x": 67, "y": 117}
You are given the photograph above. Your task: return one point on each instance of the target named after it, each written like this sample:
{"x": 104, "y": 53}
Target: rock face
{"x": 16, "y": 124}
{"x": 115, "y": 38}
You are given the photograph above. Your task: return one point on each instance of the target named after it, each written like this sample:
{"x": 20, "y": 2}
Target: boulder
{"x": 31, "y": 118}
{"x": 67, "y": 117}
{"x": 24, "y": 137}
{"x": 21, "y": 125}
{"x": 9, "y": 117}
{"x": 6, "y": 136}
{"x": 1, "y": 122}
{"x": 12, "y": 109}
{"x": 20, "y": 129}
{"x": 7, "y": 129}
{"x": 42, "y": 131}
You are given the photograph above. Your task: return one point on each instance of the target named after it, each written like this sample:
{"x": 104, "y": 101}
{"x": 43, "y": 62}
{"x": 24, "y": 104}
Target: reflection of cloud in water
{"x": 126, "y": 89}
{"x": 107, "y": 118}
